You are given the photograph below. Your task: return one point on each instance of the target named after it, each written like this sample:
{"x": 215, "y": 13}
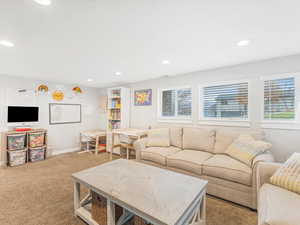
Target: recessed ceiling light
{"x": 43, "y": 2}
{"x": 118, "y": 73}
{"x": 90, "y": 80}
{"x": 6, "y": 43}
{"x": 165, "y": 62}
{"x": 243, "y": 43}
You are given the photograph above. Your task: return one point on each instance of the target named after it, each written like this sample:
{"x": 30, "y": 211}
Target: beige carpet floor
{"x": 41, "y": 193}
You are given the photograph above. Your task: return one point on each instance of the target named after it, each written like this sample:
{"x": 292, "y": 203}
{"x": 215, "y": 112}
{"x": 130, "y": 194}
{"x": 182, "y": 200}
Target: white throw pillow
{"x": 159, "y": 137}
{"x": 245, "y": 148}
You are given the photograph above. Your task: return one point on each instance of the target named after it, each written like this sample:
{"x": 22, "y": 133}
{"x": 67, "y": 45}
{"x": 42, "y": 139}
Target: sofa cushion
{"x": 176, "y": 136}
{"x": 288, "y": 175}
{"x": 245, "y": 148}
{"x": 198, "y": 139}
{"x": 278, "y": 206}
{"x": 158, "y": 137}
{"x": 224, "y": 138}
{"x": 225, "y": 167}
{"x": 158, "y": 154}
{"x": 189, "y": 160}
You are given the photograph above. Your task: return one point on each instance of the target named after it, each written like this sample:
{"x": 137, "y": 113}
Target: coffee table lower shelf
{"x": 85, "y": 215}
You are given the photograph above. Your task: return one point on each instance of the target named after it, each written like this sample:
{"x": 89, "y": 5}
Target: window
{"x": 279, "y": 99}
{"x": 228, "y": 101}
{"x": 176, "y": 102}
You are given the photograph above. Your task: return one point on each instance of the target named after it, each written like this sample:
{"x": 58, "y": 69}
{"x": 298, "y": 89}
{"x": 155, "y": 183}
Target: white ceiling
{"x": 73, "y": 40}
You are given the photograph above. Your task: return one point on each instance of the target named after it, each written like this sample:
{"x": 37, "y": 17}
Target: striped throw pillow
{"x": 245, "y": 148}
{"x": 288, "y": 175}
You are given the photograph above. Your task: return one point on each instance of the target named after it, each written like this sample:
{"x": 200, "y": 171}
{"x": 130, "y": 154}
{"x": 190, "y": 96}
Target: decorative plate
{"x": 58, "y": 95}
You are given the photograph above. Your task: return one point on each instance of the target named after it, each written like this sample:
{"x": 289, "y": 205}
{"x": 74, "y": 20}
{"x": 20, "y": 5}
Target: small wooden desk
{"x": 159, "y": 196}
{"x": 132, "y": 133}
{"x": 92, "y": 135}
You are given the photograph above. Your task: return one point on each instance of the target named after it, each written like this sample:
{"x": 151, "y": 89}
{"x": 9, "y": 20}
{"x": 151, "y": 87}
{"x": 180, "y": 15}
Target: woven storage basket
{"x": 139, "y": 221}
{"x": 99, "y": 210}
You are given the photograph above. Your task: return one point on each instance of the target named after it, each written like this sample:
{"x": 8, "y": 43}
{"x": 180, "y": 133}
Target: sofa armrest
{"x": 264, "y": 172}
{"x": 266, "y": 157}
{"x": 139, "y": 146}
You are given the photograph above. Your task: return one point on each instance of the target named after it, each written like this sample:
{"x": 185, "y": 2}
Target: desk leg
{"x": 97, "y": 145}
{"x": 110, "y": 213}
{"x": 112, "y": 145}
{"x": 76, "y": 196}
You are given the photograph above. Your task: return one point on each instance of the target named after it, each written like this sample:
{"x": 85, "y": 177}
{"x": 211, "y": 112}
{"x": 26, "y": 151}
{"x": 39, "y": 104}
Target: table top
{"x": 130, "y": 132}
{"x": 160, "y": 194}
{"x": 94, "y": 133}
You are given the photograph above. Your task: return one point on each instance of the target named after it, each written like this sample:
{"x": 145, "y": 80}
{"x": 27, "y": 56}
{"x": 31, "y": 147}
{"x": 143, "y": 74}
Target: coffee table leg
{"x": 199, "y": 215}
{"x": 203, "y": 210}
{"x": 76, "y": 196}
{"x": 110, "y": 213}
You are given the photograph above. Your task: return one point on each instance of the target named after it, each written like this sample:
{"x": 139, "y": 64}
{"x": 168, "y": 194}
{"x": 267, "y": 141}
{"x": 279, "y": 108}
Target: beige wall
{"x": 284, "y": 142}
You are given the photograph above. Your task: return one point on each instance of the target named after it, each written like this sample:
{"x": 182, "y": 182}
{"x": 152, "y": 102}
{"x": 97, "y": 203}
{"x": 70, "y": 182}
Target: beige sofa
{"x": 200, "y": 152}
{"x": 276, "y": 206}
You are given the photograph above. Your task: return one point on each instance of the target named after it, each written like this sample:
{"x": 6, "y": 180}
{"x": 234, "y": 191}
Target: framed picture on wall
{"x": 143, "y": 97}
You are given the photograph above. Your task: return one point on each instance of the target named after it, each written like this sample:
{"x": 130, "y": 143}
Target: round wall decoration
{"x": 43, "y": 88}
{"x": 77, "y": 90}
{"x": 58, "y": 95}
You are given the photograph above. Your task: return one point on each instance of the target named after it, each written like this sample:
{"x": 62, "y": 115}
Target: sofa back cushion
{"x": 288, "y": 175}
{"x": 158, "y": 137}
{"x": 199, "y": 139}
{"x": 224, "y": 138}
{"x": 176, "y": 136}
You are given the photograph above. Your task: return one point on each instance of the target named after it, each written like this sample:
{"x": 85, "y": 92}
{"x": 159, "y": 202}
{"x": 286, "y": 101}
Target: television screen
{"x": 19, "y": 114}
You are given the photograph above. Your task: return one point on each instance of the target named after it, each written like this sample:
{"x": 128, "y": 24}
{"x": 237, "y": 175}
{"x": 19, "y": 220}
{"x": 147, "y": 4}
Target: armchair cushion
{"x": 225, "y": 167}
{"x": 158, "y": 154}
{"x": 189, "y": 160}
{"x": 278, "y": 206}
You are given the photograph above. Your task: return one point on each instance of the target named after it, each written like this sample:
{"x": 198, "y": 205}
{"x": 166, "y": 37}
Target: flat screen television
{"x": 22, "y": 114}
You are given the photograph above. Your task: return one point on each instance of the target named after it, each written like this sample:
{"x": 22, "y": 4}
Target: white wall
{"x": 284, "y": 142}
{"x": 62, "y": 137}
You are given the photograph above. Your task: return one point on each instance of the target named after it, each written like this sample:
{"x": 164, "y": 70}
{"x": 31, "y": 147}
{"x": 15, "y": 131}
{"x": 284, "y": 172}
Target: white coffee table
{"x": 157, "y": 195}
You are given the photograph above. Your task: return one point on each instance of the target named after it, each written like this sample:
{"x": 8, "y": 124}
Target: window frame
{"x": 279, "y": 123}
{"x": 215, "y": 121}
{"x": 176, "y": 118}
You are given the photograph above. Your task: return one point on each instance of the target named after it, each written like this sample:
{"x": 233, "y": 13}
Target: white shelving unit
{"x": 118, "y": 111}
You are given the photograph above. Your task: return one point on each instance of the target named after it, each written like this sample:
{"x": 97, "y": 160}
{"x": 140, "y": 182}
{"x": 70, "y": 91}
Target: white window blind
{"x": 226, "y": 101}
{"x": 176, "y": 102}
{"x": 279, "y": 99}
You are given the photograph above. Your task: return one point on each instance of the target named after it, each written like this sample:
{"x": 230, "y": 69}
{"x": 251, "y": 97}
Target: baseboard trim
{"x": 2, "y": 164}
{"x": 68, "y": 150}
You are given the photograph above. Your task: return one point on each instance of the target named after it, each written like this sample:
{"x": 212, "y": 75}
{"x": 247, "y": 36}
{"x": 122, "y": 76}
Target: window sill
{"x": 281, "y": 125}
{"x": 226, "y": 123}
{"x": 174, "y": 120}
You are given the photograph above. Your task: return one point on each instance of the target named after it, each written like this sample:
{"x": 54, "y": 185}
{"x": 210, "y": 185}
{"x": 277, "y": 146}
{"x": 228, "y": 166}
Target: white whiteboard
{"x": 64, "y": 113}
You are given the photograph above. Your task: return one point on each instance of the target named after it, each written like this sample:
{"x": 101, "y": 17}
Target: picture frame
{"x": 143, "y": 97}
